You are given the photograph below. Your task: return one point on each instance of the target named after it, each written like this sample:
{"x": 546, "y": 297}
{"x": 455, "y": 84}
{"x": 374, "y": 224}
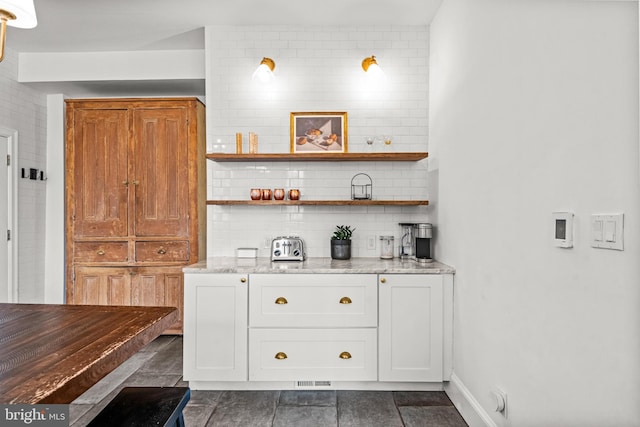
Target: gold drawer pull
{"x": 243, "y": 280}
{"x": 281, "y": 355}
{"x": 135, "y": 182}
{"x": 281, "y": 301}
{"x": 345, "y": 300}
{"x": 345, "y": 355}
{"x": 100, "y": 252}
{"x": 162, "y": 251}
{"x": 125, "y": 183}
{"x": 383, "y": 280}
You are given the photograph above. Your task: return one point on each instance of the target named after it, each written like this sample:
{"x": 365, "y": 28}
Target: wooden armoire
{"x": 135, "y": 199}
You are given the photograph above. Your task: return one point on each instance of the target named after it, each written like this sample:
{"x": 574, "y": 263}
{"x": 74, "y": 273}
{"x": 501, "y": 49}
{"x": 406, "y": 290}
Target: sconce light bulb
{"x": 264, "y": 72}
{"x": 373, "y": 70}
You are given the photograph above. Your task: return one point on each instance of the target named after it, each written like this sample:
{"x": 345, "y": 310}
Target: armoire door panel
{"x": 100, "y": 173}
{"x": 159, "y": 287}
{"x": 148, "y": 289}
{"x": 102, "y": 286}
{"x": 162, "y": 181}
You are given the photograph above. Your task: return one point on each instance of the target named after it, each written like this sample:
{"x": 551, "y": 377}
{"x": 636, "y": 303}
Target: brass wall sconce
{"x": 264, "y": 72}
{"x": 17, "y": 13}
{"x": 371, "y": 67}
{"x": 368, "y": 62}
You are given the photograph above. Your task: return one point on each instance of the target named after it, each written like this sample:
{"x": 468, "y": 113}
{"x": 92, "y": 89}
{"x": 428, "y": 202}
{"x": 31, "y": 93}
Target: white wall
{"x": 24, "y": 110}
{"x": 534, "y": 109}
{"x": 317, "y": 69}
{"x": 54, "y": 286}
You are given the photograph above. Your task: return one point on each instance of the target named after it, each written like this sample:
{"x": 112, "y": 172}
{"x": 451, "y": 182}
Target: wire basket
{"x": 361, "y": 187}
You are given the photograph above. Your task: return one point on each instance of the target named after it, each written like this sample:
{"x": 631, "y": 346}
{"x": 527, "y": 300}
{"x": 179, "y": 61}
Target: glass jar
{"x": 386, "y": 247}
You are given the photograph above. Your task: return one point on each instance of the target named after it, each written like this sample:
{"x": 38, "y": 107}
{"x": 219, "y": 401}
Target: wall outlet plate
{"x": 500, "y": 401}
{"x": 371, "y": 242}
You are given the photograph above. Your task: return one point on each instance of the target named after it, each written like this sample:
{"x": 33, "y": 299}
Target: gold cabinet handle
{"x": 162, "y": 251}
{"x": 135, "y": 182}
{"x": 100, "y": 252}
{"x": 281, "y": 355}
{"x": 281, "y": 301}
{"x": 345, "y": 355}
{"x": 243, "y": 280}
{"x": 345, "y": 300}
{"x": 383, "y": 280}
{"x": 125, "y": 183}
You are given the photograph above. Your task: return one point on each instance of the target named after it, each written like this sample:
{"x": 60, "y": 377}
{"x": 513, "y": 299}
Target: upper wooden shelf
{"x": 319, "y": 157}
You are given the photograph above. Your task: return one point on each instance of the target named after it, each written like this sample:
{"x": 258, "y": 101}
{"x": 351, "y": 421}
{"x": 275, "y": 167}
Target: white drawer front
{"x": 313, "y": 354}
{"x": 313, "y": 300}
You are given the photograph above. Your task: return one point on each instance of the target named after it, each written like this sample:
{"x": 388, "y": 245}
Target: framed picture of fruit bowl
{"x": 319, "y": 132}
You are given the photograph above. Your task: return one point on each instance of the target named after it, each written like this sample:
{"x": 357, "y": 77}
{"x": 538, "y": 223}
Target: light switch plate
{"x": 607, "y": 231}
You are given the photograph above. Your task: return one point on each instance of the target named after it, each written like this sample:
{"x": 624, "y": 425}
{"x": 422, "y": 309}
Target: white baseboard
{"x": 470, "y": 409}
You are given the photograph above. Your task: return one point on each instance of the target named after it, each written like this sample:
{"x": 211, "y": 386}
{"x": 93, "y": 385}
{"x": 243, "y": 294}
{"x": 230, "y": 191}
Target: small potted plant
{"x": 341, "y": 242}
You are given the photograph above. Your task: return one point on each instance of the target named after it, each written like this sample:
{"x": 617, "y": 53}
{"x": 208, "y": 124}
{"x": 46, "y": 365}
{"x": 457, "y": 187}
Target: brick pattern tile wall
{"x": 318, "y": 68}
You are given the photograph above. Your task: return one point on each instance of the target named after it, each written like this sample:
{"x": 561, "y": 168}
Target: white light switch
{"x": 607, "y": 231}
{"x": 597, "y": 230}
{"x": 610, "y": 231}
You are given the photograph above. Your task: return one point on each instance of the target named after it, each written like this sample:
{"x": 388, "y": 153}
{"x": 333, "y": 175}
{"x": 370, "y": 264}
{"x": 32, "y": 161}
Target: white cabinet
{"x": 215, "y": 327}
{"x": 277, "y": 331}
{"x": 411, "y": 327}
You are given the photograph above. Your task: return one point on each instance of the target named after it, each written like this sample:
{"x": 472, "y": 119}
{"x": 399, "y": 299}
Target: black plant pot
{"x": 341, "y": 249}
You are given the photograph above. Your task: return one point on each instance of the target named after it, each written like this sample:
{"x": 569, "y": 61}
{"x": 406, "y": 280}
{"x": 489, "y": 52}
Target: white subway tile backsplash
{"x": 317, "y": 69}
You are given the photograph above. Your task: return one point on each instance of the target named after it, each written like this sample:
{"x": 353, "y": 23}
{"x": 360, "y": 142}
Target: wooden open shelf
{"x": 319, "y": 202}
{"x": 320, "y": 157}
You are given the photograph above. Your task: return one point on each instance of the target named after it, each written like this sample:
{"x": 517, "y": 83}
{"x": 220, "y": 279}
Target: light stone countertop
{"x": 231, "y": 265}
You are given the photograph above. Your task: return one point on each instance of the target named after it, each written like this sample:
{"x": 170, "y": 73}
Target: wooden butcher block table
{"x": 54, "y": 353}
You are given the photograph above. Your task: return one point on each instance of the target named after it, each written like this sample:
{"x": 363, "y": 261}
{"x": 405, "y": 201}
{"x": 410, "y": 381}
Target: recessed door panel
{"x": 160, "y": 175}
{"x": 100, "y": 173}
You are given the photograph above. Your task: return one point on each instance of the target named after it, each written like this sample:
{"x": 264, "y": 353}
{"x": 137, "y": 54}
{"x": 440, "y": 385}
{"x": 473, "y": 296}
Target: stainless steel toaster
{"x": 287, "y": 248}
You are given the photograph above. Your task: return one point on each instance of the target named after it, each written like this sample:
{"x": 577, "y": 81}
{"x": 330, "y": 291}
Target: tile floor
{"x": 160, "y": 364}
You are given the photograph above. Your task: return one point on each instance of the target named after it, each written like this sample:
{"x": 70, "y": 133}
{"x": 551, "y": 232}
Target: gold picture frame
{"x": 319, "y": 132}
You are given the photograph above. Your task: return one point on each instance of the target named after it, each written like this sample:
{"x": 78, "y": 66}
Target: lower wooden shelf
{"x": 319, "y": 202}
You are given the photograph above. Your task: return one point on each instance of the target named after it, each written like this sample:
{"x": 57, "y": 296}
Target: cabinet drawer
{"x": 313, "y": 300}
{"x": 162, "y": 251}
{"x": 100, "y": 252}
{"x": 313, "y": 354}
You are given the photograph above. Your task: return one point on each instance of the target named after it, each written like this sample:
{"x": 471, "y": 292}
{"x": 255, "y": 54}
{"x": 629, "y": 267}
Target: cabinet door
{"x": 161, "y": 172}
{"x": 99, "y": 147}
{"x": 102, "y": 286}
{"x": 410, "y": 328}
{"x": 215, "y": 327}
{"x": 159, "y": 287}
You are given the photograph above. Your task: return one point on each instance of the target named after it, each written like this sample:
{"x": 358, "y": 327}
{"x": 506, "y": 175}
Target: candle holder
{"x": 361, "y": 187}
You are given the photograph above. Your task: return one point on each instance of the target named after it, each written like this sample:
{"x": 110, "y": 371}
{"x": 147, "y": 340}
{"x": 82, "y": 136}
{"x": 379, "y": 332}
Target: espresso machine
{"x": 415, "y": 243}
{"x": 422, "y": 234}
